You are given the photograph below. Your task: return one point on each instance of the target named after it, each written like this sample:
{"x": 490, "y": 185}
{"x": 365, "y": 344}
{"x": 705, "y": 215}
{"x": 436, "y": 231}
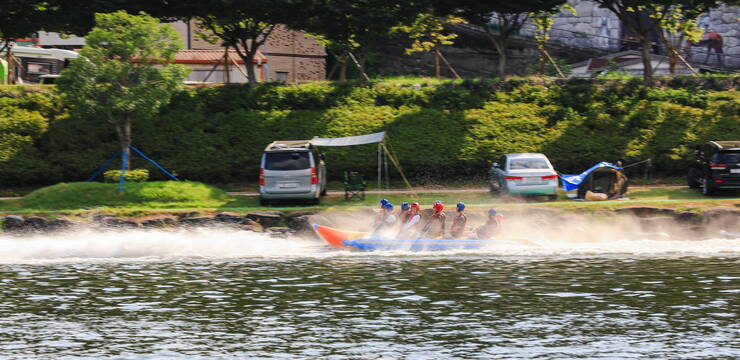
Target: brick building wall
{"x": 292, "y": 56}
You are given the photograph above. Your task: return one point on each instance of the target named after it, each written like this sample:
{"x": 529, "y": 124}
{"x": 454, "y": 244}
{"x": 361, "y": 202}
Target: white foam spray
{"x": 523, "y": 235}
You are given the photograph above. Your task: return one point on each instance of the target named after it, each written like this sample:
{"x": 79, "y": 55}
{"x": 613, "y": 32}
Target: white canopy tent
{"x": 383, "y": 153}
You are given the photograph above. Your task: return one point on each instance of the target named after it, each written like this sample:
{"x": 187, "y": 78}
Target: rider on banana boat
{"x": 405, "y": 213}
{"x": 457, "y": 230}
{"x": 492, "y": 226}
{"x": 435, "y": 226}
{"x": 388, "y": 219}
{"x": 410, "y": 228}
{"x": 380, "y": 215}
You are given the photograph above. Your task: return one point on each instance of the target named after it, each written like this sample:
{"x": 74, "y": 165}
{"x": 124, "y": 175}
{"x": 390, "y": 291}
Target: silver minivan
{"x": 292, "y": 170}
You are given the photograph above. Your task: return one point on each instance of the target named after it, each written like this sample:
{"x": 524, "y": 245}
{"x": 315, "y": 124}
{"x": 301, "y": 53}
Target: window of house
{"x": 281, "y": 76}
{"x": 39, "y": 68}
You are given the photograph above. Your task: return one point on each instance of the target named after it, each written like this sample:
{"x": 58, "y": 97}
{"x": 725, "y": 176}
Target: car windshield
{"x": 287, "y": 161}
{"x": 727, "y": 157}
{"x": 521, "y": 164}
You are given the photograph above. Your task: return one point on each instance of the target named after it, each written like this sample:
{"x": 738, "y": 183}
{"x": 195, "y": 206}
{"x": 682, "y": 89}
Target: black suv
{"x": 717, "y": 167}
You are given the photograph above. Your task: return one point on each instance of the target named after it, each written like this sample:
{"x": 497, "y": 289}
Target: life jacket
{"x": 458, "y": 225}
{"x": 441, "y": 217}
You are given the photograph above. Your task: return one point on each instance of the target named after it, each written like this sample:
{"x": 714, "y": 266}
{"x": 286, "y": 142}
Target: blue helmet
{"x": 383, "y": 202}
{"x": 460, "y": 206}
{"x": 405, "y": 206}
{"x": 388, "y": 206}
{"x": 492, "y": 212}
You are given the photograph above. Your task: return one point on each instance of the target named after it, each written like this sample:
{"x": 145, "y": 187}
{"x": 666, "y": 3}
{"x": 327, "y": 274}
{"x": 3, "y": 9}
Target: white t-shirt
{"x": 413, "y": 221}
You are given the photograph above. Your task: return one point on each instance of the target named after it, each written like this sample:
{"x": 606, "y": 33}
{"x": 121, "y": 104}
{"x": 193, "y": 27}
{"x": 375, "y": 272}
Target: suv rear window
{"x": 287, "y": 161}
{"x": 727, "y": 157}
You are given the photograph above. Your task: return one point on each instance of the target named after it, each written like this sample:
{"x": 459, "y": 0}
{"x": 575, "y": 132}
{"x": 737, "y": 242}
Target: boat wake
{"x": 223, "y": 244}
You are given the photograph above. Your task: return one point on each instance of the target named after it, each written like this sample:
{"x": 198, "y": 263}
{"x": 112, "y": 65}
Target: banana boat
{"x": 364, "y": 241}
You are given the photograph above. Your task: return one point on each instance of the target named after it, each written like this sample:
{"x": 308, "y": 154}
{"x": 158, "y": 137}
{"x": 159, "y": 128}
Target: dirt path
{"x": 404, "y": 191}
{"x": 437, "y": 190}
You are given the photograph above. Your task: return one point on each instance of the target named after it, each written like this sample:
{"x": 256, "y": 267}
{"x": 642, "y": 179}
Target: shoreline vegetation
{"x": 140, "y": 200}
{"x": 215, "y": 134}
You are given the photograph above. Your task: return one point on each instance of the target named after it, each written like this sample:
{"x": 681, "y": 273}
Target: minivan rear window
{"x": 287, "y": 161}
{"x": 727, "y": 157}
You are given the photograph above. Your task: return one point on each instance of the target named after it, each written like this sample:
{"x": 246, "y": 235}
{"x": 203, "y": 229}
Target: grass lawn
{"x": 169, "y": 196}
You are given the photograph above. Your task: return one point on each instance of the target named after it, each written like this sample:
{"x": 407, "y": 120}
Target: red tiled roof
{"x": 212, "y": 57}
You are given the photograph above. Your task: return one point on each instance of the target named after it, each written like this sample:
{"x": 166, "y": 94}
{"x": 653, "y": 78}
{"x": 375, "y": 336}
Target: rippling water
{"x": 217, "y": 294}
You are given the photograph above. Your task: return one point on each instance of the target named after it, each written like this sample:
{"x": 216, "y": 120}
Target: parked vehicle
{"x": 292, "y": 170}
{"x": 524, "y": 174}
{"x": 717, "y": 167}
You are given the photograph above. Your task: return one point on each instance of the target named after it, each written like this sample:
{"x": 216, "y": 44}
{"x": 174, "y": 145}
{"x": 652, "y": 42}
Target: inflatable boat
{"x": 364, "y": 241}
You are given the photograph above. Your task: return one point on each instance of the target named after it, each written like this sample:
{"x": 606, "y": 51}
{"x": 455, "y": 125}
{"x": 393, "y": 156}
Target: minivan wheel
{"x": 707, "y": 189}
{"x": 323, "y": 192}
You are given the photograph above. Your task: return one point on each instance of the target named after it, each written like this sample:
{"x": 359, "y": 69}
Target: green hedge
{"x": 135, "y": 175}
{"x": 438, "y": 129}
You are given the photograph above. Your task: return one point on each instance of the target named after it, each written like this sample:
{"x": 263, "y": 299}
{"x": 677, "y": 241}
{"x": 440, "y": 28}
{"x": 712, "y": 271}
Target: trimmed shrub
{"x": 135, "y": 175}
{"x": 439, "y": 129}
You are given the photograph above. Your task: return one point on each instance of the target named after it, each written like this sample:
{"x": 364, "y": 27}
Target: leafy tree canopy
{"x": 124, "y": 72}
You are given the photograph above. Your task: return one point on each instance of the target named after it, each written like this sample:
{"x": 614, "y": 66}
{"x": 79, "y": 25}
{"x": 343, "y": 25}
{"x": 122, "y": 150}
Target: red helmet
{"x": 415, "y": 206}
{"x": 438, "y": 207}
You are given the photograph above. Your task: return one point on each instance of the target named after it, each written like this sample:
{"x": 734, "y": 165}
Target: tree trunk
{"x": 249, "y": 62}
{"x": 343, "y": 67}
{"x": 500, "y": 44}
{"x": 437, "y": 71}
{"x": 123, "y": 130}
{"x": 646, "y": 61}
{"x": 543, "y": 59}
{"x": 672, "y": 60}
{"x": 227, "y": 75}
{"x": 670, "y": 49}
{"x": 11, "y": 65}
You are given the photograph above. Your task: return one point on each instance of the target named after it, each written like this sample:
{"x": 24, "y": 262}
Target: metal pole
{"x": 380, "y": 148}
{"x": 387, "y": 176}
{"x": 123, "y": 172}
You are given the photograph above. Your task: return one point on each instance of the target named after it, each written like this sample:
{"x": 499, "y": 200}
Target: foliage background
{"x": 440, "y": 130}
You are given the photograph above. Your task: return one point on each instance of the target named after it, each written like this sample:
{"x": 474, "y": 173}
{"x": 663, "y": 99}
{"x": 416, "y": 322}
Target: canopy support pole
{"x": 104, "y": 166}
{"x": 380, "y": 174}
{"x": 385, "y": 164}
{"x": 397, "y": 164}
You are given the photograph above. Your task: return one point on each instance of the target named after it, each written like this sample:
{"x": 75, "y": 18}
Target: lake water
{"x": 214, "y": 294}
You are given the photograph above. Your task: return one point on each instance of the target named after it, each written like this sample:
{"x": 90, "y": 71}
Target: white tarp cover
{"x": 349, "y": 140}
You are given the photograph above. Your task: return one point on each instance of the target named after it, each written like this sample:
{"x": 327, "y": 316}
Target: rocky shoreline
{"x": 283, "y": 223}
{"x": 271, "y": 222}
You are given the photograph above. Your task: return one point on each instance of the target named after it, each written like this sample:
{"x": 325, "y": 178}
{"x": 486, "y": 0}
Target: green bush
{"x": 135, "y": 175}
{"x": 440, "y": 129}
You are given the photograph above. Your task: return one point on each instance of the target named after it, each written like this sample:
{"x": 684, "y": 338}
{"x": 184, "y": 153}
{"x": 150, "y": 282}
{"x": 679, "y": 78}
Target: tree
{"x": 679, "y": 22}
{"x": 124, "y": 72}
{"x": 543, "y": 21}
{"x": 635, "y": 16}
{"x": 428, "y": 33}
{"x": 243, "y": 26}
{"x": 500, "y": 19}
{"x": 347, "y": 27}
